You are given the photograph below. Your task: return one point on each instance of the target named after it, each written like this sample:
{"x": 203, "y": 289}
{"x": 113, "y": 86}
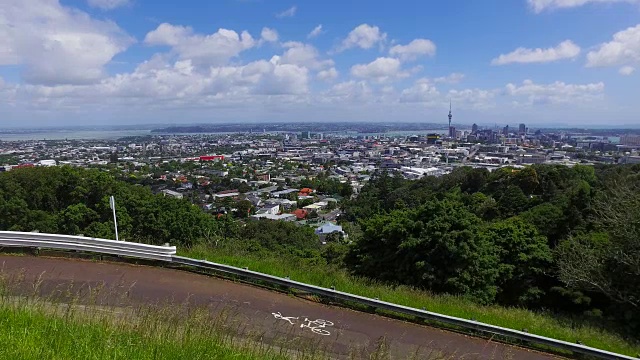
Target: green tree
{"x": 512, "y": 201}
{"x": 243, "y": 208}
{"x": 524, "y": 257}
{"x": 75, "y": 218}
{"x": 113, "y": 158}
{"x": 433, "y": 247}
{"x": 548, "y": 219}
{"x": 608, "y": 262}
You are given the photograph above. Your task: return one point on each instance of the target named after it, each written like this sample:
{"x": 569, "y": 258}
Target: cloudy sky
{"x": 546, "y": 62}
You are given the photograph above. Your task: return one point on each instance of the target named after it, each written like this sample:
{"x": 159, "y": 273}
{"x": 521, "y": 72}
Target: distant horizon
{"x": 155, "y": 126}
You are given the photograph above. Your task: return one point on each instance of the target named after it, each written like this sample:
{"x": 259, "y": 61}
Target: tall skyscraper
{"x": 522, "y": 129}
{"x": 474, "y": 128}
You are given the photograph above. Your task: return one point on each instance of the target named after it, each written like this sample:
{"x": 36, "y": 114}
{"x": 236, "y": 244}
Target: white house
{"x": 283, "y": 217}
{"x": 269, "y": 209}
{"x": 172, "y": 193}
{"x": 47, "y": 163}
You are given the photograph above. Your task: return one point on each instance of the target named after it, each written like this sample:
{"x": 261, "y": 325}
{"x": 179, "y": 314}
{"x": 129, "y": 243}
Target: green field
{"x": 40, "y": 330}
{"x": 543, "y": 324}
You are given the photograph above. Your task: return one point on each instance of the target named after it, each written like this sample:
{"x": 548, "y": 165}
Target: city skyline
{"x": 98, "y": 62}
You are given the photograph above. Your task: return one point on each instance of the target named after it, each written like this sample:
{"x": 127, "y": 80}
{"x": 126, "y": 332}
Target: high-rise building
{"x": 630, "y": 140}
{"x": 522, "y": 130}
{"x": 474, "y": 128}
{"x": 505, "y": 130}
{"x": 433, "y": 138}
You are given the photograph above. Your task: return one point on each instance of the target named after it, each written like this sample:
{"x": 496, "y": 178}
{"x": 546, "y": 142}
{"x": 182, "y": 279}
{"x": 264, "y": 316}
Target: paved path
{"x": 341, "y": 331}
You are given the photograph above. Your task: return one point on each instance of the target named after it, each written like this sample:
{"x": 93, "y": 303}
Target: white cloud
{"x": 290, "y": 12}
{"x": 452, "y": 78}
{"x": 623, "y": 49}
{"x": 315, "y": 32}
{"x": 351, "y": 91}
{"x": 269, "y": 35}
{"x": 424, "y": 89}
{"x": 57, "y": 44}
{"x": 421, "y": 92}
{"x": 626, "y": 70}
{"x": 108, "y": 4}
{"x": 304, "y": 55}
{"x": 204, "y": 76}
{"x": 363, "y": 36}
{"x": 541, "y": 5}
{"x": 328, "y": 75}
{"x": 477, "y": 99}
{"x": 413, "y": 50}
{"x": 424, "y": 92}
{"x": 556, "y": 93}
{"x": 565, "y": 50}
{"x": 380, "y": 69}
{"x": 204, "y": 50}
{"x": 283, "y": 79}
{"x": 165, "y": 85}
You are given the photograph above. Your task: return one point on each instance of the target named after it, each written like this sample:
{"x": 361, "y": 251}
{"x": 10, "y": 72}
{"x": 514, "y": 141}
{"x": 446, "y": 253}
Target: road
{"x": 331, "y": 216}
{"x": 473, "y": 152}
{"x": 343, "y": 333}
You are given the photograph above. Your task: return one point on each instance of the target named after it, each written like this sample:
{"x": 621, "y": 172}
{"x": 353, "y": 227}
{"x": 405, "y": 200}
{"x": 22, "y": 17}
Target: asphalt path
{"x": 341, "y": 332}
{"x": 331, "y": 216}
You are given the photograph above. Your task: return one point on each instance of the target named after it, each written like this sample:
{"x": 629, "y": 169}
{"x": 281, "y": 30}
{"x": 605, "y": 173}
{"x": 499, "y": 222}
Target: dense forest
{"x": 545, "y": 237}
{"x": 542, "y": 237}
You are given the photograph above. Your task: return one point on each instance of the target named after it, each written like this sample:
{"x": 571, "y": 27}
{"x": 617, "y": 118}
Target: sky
{"x": 116, "y": 62}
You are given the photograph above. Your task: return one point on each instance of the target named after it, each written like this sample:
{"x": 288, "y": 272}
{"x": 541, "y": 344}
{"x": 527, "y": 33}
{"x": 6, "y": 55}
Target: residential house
{"x": 273, "y": 209}
{"x": 282, "y": 217}
{"x": 264, "y": 177}
{"x": 305, "y": 192}
{"x": 255, "y": 200}
{"x": 301, "y": 214}
{"x": 329, "y": 228}
{"x": 171, "y": 193}
{"x": 227, "y": 193}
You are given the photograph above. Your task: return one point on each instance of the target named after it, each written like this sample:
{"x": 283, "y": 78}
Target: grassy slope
{"x": 29, "y": 332}
{"x": 514, "y": 318}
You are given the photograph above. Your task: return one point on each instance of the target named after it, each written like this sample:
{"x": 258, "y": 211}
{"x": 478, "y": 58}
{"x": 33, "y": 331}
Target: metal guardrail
{"x": 423, "y": 314}
{"x": 88, "y": 244}
{"x": 167, "y": 254}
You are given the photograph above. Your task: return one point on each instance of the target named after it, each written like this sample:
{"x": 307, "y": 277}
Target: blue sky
{"x": 544, "y": 62}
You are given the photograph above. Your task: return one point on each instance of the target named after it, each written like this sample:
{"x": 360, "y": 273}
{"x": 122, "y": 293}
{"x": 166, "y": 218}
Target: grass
{"x": 514, "y": 318}
{"x": 39, "y": 326}
{"x": 72, "y": 322}
{"x": 30, "y": 332}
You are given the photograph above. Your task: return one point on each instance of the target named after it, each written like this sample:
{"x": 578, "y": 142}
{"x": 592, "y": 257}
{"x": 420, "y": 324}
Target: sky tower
{"x": 452, "y": 130}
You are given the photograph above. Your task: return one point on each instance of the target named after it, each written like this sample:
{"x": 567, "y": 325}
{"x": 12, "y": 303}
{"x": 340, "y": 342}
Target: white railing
{"x": 88, "y": 244}
{"x": 168, "y": 254}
